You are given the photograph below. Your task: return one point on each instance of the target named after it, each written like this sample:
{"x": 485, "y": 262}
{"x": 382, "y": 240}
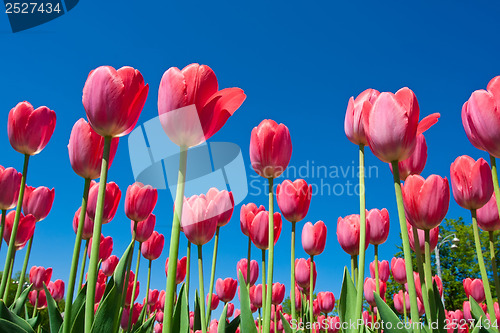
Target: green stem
{"x": 428, "y": 278}
{"x": 248, "y": 260}
{"x": 174, "y": 243}
{"x": 270, "y": 261}
{"x": 212, "y": 275}
{"x": 494, "y": 261}
{"x": 96, "y": 235}
{"x": 2, "y": 227}
{"x": 127, "y": 276}
{"x": 415, "y": 318}
{"x": 35, "y": 308}
{"x": 354, "y": 269}
{"x": 76, "y": 255}
{"x": 134, "y": 287}
{"x": 420, "y": 267}
{"x": 311, "y": 289}
{"x": 260, "y": 322}
{"x": 148, "y": 285}
{"x": 263, "y": 284}
{"x": 6, "y": 293}
{"x": 84, "y": 263}
{"x": 202, "y": 290}
{"x": 275, "y": 318}
{"x": 482, "y": 268}
{"x": 292, "y": 274}
{"x": 25, "y": 267}
{"x": 404, "y": 303}
{"x": 12, "y": 248}
{"x": 188, "y": 268}
{"x": 377, "y": 277}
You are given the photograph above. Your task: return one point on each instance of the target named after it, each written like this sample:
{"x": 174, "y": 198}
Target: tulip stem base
{"x": 249, "y": 257}
{"x": 148, "y": 286}
{"x": 6, "y": 293}
{"x": 25, "y": 267}
{"x": 428, "y": 277}
{"x": 292, "y": 274}
{"x": 188, "y": 268}
{"x": 212, "y": 275}
{"x": 202, "y": 290}
{"x": 270, "y": 260}
{"x": 134, "y": 287}
{"x": 311, "y": 289}
{"x": 354, "y": 269}
{"x": 263, "y": 284}
{"x": 420, "y": 267}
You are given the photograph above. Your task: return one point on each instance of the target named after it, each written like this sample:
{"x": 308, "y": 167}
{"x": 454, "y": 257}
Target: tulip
{"x": 158, "y": 328}
{"x": 259, "y": 232}
{"x": 474, "y": 288}
{"x": 247, "y": 213}
{"x": 379, "y": 225}
{"x": 108, "y": 266}
{"x": 112, "y": 199}
{"x": 140, "y": 200}
{"x": 333, "y": 324}
{"x": 433, "y": 238}
{"x": 293, "y": 199}
{"x": 383, "y": 267}
{"x": 56, "y": 290}
{"x": 456, "y": 322}
{"x": 326, "y": 301}
{"x": 24, "y": 232}
{"x": 230, "y": 310}
{"x": 402, "y": 303}
{"x": 214, "y": 303}
{"x": 126, "y": 318}
{"x": 143, "y": 229}
{"x": 38, "y": 300}
{"x": 278, "y": 293}
{"x": 398, "y": 270}
{"x": 415, "y": 164}
{"x": 348, "y": 234}
{"x": 39, "y": 276}
{"x": 181, "y": 270}
{"x": 314, "y": 238}
{"x": 255, "y": 294}
{"x": 226, "y": 289}
{"x": 370, "y": 289}
{"x": 153, "y": 297}
{"x": 302, "y": 272}
{"x": 199, "y": 219}
{"x": 254, "y": 270}
{"x": 131, "y": 290}
{"x": 105, "y": 247}
{"x": 88, "y": 225}
{"x": 10, "y": 182}
{"x": 159, "y": 316}
{"x": 356, "y": 108}
{"x": 38, "y": 201}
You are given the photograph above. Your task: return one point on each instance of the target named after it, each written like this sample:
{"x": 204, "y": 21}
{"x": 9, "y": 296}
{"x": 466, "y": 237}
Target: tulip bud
{"x": 383, "y": 270}
{"x": 153, "y": 247}
{"x": 398, "y": 270}
{"x": 136, "y": 310}
{"x": 379, "y": 225}
{"x": 259, "y": 229}
{"x": 226, "y": 289}
{"x": 348, "y": 233}
{"x": 111, "y": 201}
{"x": 105, "y": 247}
{"x": 487, "y": 216}
{"x": 326, "y": 301}
{"x": 474, "y": 288}
{"x": 398, "y": 302}
{"x": 278, "y": 293}
{"x": 39, "y": 276}
{"x": 25, "y": 230}
{"x": 144, "y": 228}
{"x": 130, "y": 287}
{"x": 42, "y": 299}
{"x": 108, "y": 266}
{"x": 38, "y": 201}
{"x": 247, "y": 213}
{"x": 294, "y": 199}
{"x": 230, "y": 310}
{"x": 314, "y": 238}
{"x": 356, "y": 108}
{"x": 56, "y": 290}
{"x": 255, "y": 294}
{"x": 88, "y": 225}
{"x": 10, "y": 183}
{"x": 370, "y": 288}
{"x": 302, "y": 272}
{"x": 140, "y": 200}
{"x": 180, "y": 271}
{"x": 214, "y": 303}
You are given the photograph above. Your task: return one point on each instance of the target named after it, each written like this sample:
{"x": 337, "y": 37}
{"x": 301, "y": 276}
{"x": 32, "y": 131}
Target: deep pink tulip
{"x": 111, "y": 201}
{"x": 113, "y": 99}
{"x": 255, "y": 293}
{"x": 214, "y": 303}
{"x": 398, "y": 302}
{"x": 144, "y": 228}
{"x": 38, "y": 201}
{"x": 436, "y": 279}
{"x": 85, "y": 150}
{"x": 191, "y": 106}
{"x": 25, "y": 230}
{"x": 159, "y": 316}
{"x": 259, "y": 229}
{"x": 88, "y": 225}
{"x": 471, "y": 182}
{"x": 153, "y": 296}
{"x": 379, "y": 225}
{"x": 474, "y": 288}
{"x": 294, "y": 199}
{"x": 314, "y": 238}
{"x": 487, "y": 216}
{"x": 370, "y": 288}
{"x": 270, "y": 148}
{"x": 140, "y": 200}
{"x": 130, "y": 287}
{"x": 180, "y": 271}
{"x": 226, "y": 289}
{"x": 136, "y": 311}
{"x": 278, "y": 293}
{"x": 29, "y": 130}
{"x": 456, "y": 322}
{"x": 247, "y": 213}
{"x": 298, "y": 298}
{"x": 105, "y": 247}
{"x": 398, "y": 270}
{"x": 333, "y": 324}
{"x": 199, "y": 219}
{"x": 383, "y": 270}
{"x": 433, "y": 237}
{"x": 326, "y": 301}
{"x": 415, "y": 164}
{"x": 10, "y": 182}
{"x": 426, "y": 201}
{"x": 302, "y": 272}
{"x": 56, "y": 290}
{"x": 161, "y": 301}
{"x": 39, "y": 276}
{"x": 356, "y": 108}
{"x": 230, "y": 310}
{"x": 348, "y": 233}
{"x": 254, "y": 270}
{"x": 225, "y": 202}
{"x": 42, "y": 299}
{"x": 108, "y": 266}
{"x": 158, "y": 328}
{"x": 152, "y": 248}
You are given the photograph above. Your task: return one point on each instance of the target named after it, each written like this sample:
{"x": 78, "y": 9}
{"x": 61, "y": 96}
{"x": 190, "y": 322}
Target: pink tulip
{"x": 161, "y": 301}
{"x": 415, "y": 164}
{"x": 456, "y": 322}
{"x": 398, "y": 302}
{"x": 314, "y": 238}
{"x": 180, "y": 271}
{"x": 25, "y": 230}
{"x": 191, "y": 107}
{"x": 224, "y": 202}
{"x": 140, "y": 200}
{"x": 383, "y": 270}
{"x": 426, "y": 201}
{"x": 471, "y": 182}
{"x": 56, "y": 290}
{"x": 487, "y": 216}
{"x": 270, "y": 149}
{"x": 39, "y": 276}
{"x": 159, "y": 316}
{"x": 214, "y": 303}
{"x": 294, "y": 199}
{"x": 230, "y": 310}
{"x": 433, "y": 237}
{"x": 111, "y": 201}
{"x": 105, "y": 247}
{"x": 298, "y": 298}
{"x": 10, "y": 183}
{"x": 369, "y": 289}
{"x": 152, "y": 248}
{"x": 130, "y": 287}
{"x": 398, "y": 270}
{"x": 144, "y": 228}
{"x": 136, "y": 311}
{"x": 88, "y": 225}
{"x": 302, "y": 272}
{"x": 436, "y": 279}
{"x": 255, "y": 294}
{"x": 278, "y": 293}
{"x": 356, "y": 108}
{"x": 474, "y": 288}
{"x": 254, "y": 270}
{"x": 348, "y": 234}
{"x": 86, "y": 149}
{"x": 153, "y": 296}
{"x": 108, "y": 266}
{"x": 326, "y": 301}
{"x": 379, "y": 225}
{"x": 333, "y": 325}
{"x": 29, "y": 130}
{"x": 42, "y": 299}
{"x": 467, "y": 312}
{"x": 226, "y": 289}
{"x": 247, "y": 213}
{"x": 259, "y": 229}
{"x": 113, "y": 99}
{"x": 158, "y": 328}
{"x": 38, "y": 201}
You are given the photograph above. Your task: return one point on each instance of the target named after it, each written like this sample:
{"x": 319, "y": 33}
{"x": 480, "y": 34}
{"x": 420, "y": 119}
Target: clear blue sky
{"x": 298, "y": 63}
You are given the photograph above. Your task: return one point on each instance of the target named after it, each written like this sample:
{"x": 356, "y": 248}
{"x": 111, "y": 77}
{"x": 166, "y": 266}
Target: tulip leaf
{"x": 347, "y": 299}
{"x": 55, "y": 319}
{"x": 34, "y": 321}
{"x": 147, "y": 327}
{"x": 197, "y": 316}
{"x": 478, "y": 315}
{"x": 180, "y": 321}
{"x": 285, "y": 323}
{"x": 9, "y": 316}
{"x": 140, "y": 320}
{"x": 18, "y": 305}
{"x": 77, "y": 315}
{"x": 247, "y": 323}
{"x": 388, "y": 316}
{"x": 223, "y": 321}
{"x": 9, "y": 327}
{"x": 441, "y": 315}
{"x": 121, "y": 268}
{"x": 233, "y": 325}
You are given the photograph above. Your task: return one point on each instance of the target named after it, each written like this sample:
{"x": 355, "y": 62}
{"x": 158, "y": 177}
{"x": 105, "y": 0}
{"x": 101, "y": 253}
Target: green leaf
{"x": 10, "y": 327}
{"x": 7, "y": 315}
{"x": 388, "y": 316}
{"x": 78, "y": 311}
{"x": 441, "y": 315}
{"x": 55, "y": 319}
{"x": 180, "y": 321}
{"x": 147, "y": 327}
{"x": 233, "y": 325}
{"x": 346, "y": 302}
{"x": 197, "y": 316}
{"x": 478, "y": 313}
{"x": 18, "y": 305}
{"x": 247, "y": 324}
{"x": 286, "y": 324}
{"x": 222, "y": 321}
{"x": 140, "y": 319}
{"x": 34, "y": 322}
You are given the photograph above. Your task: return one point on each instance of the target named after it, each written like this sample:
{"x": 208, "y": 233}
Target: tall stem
{"x": 148, "y": 285}
{"x": 270, "y": 261}
{"x": 494, "y": 261}
{"x": 263, "y": 284}
{"x": 415, "y": 318}
{"x": 174, "y": 243}
{"x": 94, "y": 253}
{"x": 249, "y": 257}
{"x": 127, "y": 276}
{"x": 354, "y": 269}
{"x": 2, "y": 226}
{"x": 35, "y": 308}
{"x": 188, "y": 268}
{"x": 404, "y": 303}
{"x": 12, "y": 249}
{"x": 421, "y": 273}
{"x": 311, "y": 289}
{"x": 25, "y": 267}
{"x": 362, "y": 234}
{"x": 134, "y": 287}
{"x": 428, "y": 277}
{"x": 202, "y": 290}
{"x": 212, "y": 274}
{"x": 6, "y": 293}
{"x": 84, "y": 263}
{"x": 292, "y": 274}
{"x": 482, "y": 268}
{"x": 76, "y": 255}
{"x": 377, "y": 276}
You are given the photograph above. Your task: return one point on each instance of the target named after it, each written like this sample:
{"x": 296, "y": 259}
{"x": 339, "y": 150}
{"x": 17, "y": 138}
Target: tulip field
{"x": 101, "y": 291}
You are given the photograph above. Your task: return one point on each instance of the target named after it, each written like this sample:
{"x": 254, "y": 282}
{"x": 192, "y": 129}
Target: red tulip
{"x": 456, "y": 322}
{"x": 108, "y": 266}
{"x": 111, "y": 201}
{"x": 426, "y": 201}
{"x": 314, "y": 238}
{"x": 294, "y": 199}
{"x": 153, "y": 296}
{"x": 356, "y": 108}
{"x": 415, "y": 164}
{"x": 30, "y": 130}
{"x": 259, "y": 229}
{"x": 226, "y": 289}
{"x": 369, "y": 289}
{"x": 255, "y": 294}
{"x": 270, "y": 148}
{"x": 398, "y": 302}
{"x": 333, "y": 324}
{"x": 298, "y": 298}
{"x": 42, "y": 299}
{"x": 436, "y": 279}
{"x": 39, "y": 276}
{"x": 25, "y": 230}
{"x": 38, "y": 201}
{"x": 383, "y": 270}
{"x": 105, "y": 247}
{"x": 88, "y": 225}
{"x": 224, "y": 202}
{"x": 159, "y": 316}
{"x": 433, "y": 237}
{"x": 199, "y": 219}
{"x": 158, "y": 328}
{"x": 136, "y": 311}
{"x": 247, "y": 213}
{"x": 140, "y": 200}
{"x": 487, "y": 216}
{"x": 278, "y": 293}
{"x": 86, "y": 149}
{"x": 152, "y": 248}
{"x": 471, "y": 182}
{"x": 113, "y": 99}
{"x": 130, "y": 287}
{"x": 474, "y": 288}
{"x": 348, "y": 233}
{"x": 161, "y": 301}
{"x": 144, "y": 228}
{"x": 56, "y": 290}
{"x": 398, "y": 270}
{"x": 254, "y": 270}
{"x": 302, "y": 272}
{"x": 230, "y": 310}
{"x": 326, "y": 301}
{"x": 191, "y": 107}
{"x": 10, "y": 183}
{"x": 379, "y": 225}
{"x": 180, "y": 271}
{"x": 214, "y": 303}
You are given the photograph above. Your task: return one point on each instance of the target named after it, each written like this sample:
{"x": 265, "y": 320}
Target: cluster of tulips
{"x": 192, "y": 109}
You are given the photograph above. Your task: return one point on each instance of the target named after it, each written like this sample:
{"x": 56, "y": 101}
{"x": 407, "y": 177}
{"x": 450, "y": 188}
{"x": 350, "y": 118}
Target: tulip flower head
{"x": 38, "y": 201}
{"x": 348, "y": 233}
{"x": 10, "y": 183}
{"x": 398, "y": 270}
{"x": 105, "y": 247}
{"x": 130, "y": 287}
{"x": 356, "y": 108}
{"x": 370, "y": 288}
{"x": 259, "y": 229}
{"x": 25, "y": 230}
{"x": 230, "y": 310}
{"x": 180, "y": 271}
{"x": 433, "y": 237}
{"x": 293, "y": 199}
{"x": 247, "y": 213}
{"x": 314, "y": 238}
{"x": 398, "y": 302}
{"x": 111, "y": 201}
{"x": 108, "y": 266}
{"x": 143, "y": 229}
{"x": 254, "y": 270}
{"x": 302, "y": 273}
{"x": 487, "y": 216}
{"x": 136, "y": 311}
{"x": 475, "y": 289}
{"x": 255, "y": 294}
{"x": 226, "y": 289}
{"x": 383, "y": 270}
{"x": 278, "y": 293}
{"x": 153, "y": 247}
{"x": 140, "y": 200}
{"x": 56, "y": 290}
{"x": 88, "y": 225}
{"x": 153, "y": 296}
{"x": 379, "y": 225}
{"x": 41, "y": 303}
{"x": 214, "y": 303}
{"x": 415, "y": 164}
{"x": 326, "y": 301}
{"x": 39, "y": 276}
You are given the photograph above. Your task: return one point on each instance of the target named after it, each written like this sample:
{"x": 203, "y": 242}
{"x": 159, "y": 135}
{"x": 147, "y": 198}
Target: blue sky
{"x": 298, "y": 63}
